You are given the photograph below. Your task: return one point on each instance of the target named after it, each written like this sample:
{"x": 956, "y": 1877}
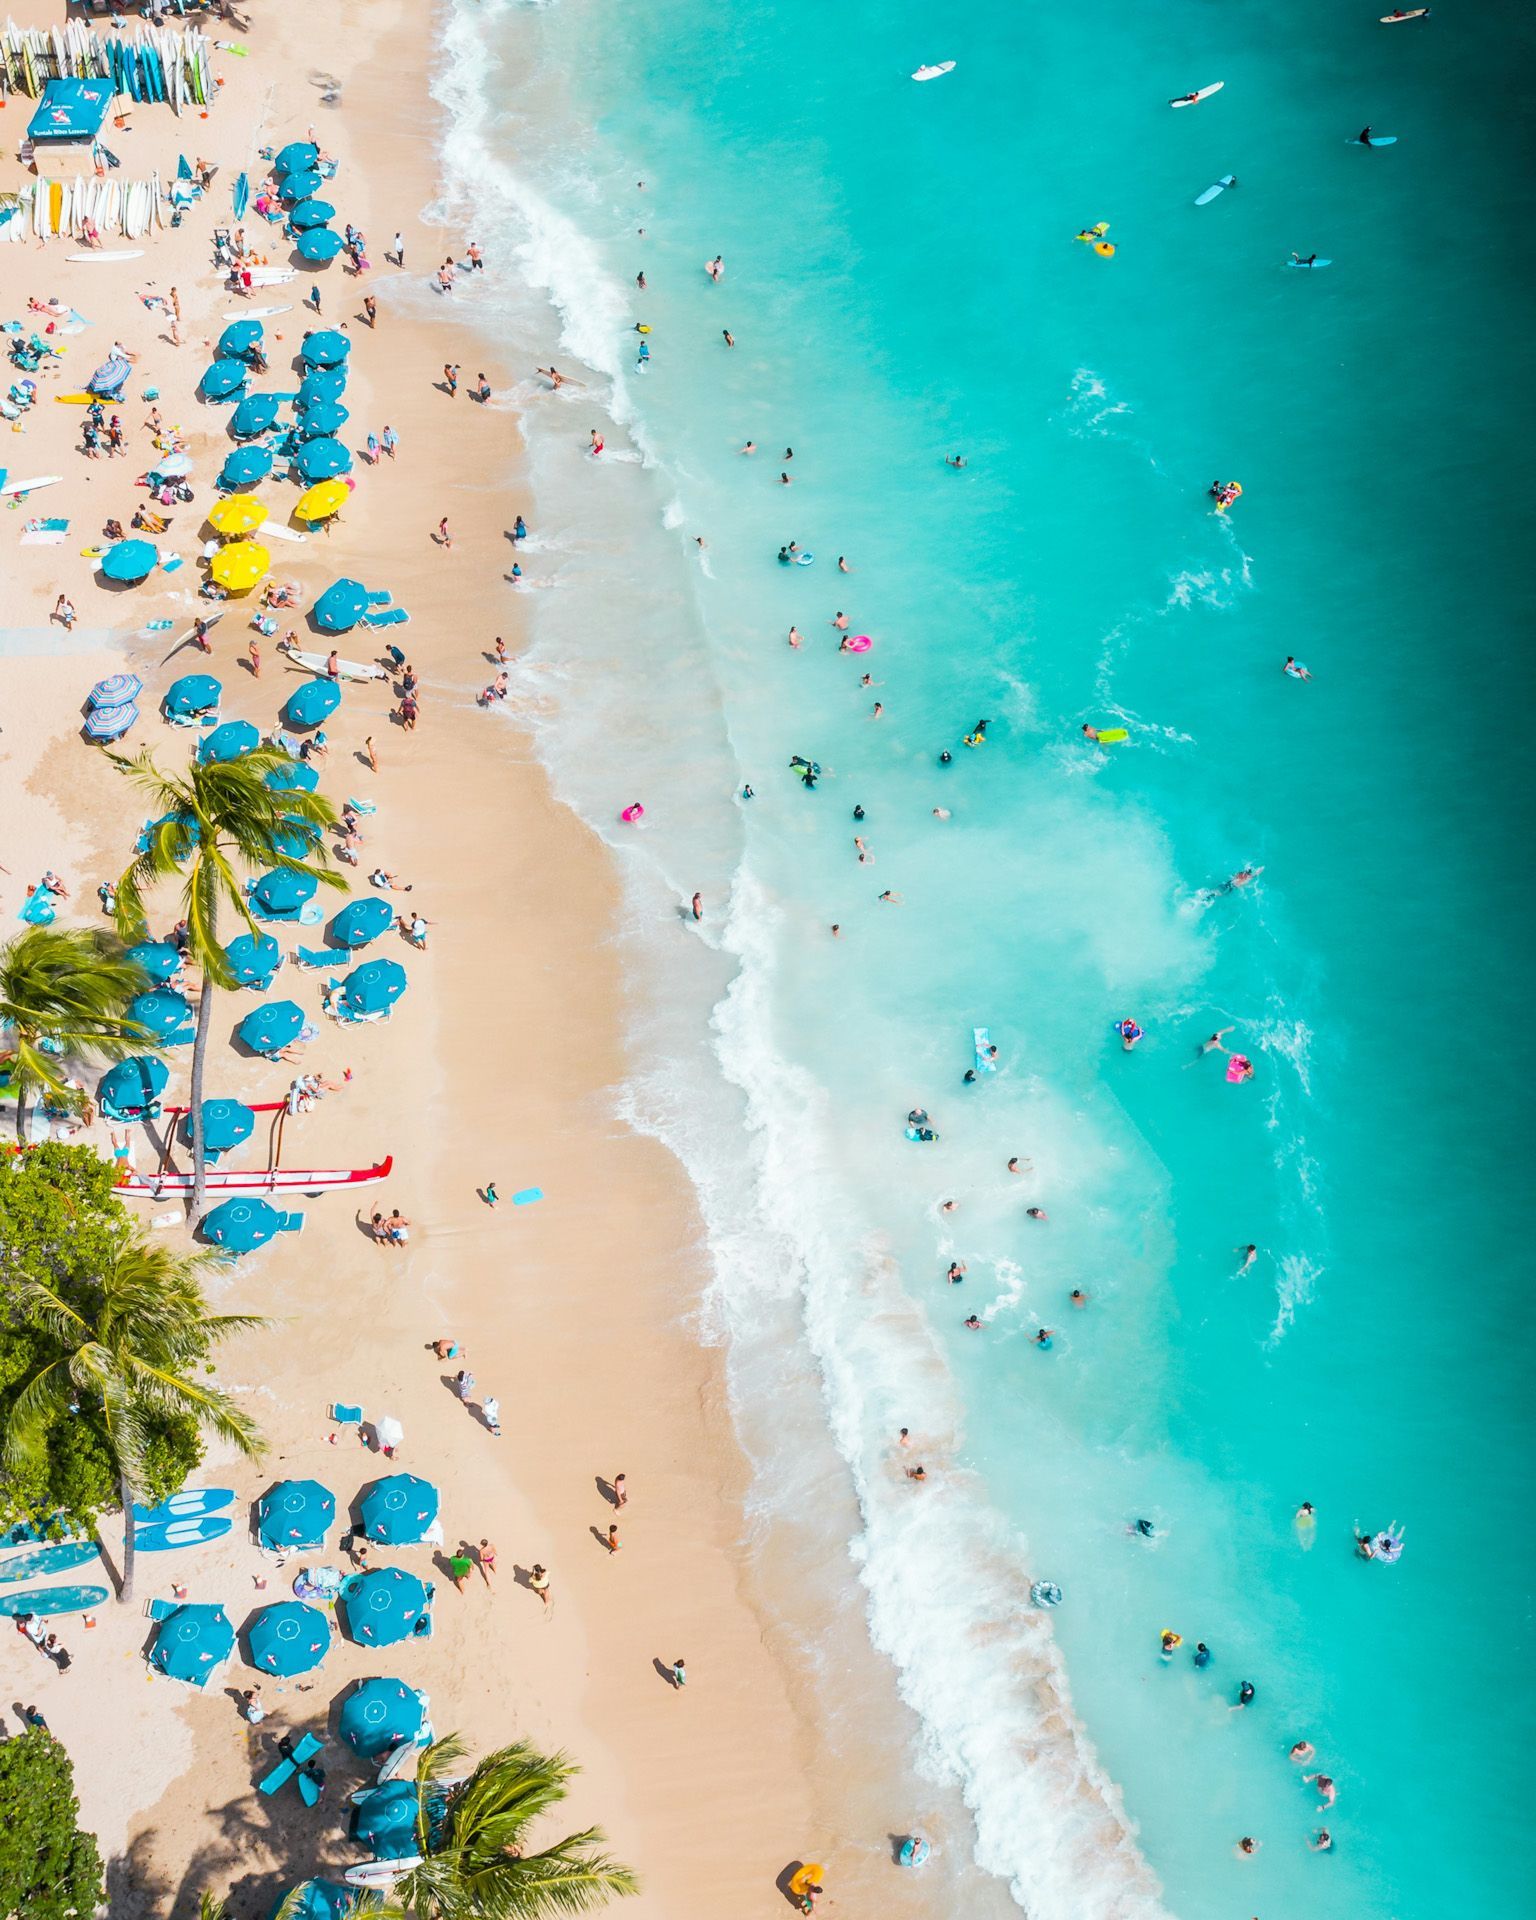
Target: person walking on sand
{"x": 371, "y": 756}
{"x": 679, "y": 1674}
{"x": 487, "y": 1559}
{"x": 596, "y": 442}
{"x": 490, "y": 1412}
{"x": 698, "y": 906}
{"x": 620, "y": 1490}
{"x": 64, "y": 612}
{"x": 389, "y": 440}
{"x": 613, "y": 1538}
{"x": 444, "y": 538}
{"x": 255, "y": 652}
{"x": 370, "y": 311}
{"x": 460, "y": 1567}
{"x": 538, "y": 1580}
{"x": 464, "y": 1384}
{"x": 451, "y": 378}
{"x": 399, "y": 250}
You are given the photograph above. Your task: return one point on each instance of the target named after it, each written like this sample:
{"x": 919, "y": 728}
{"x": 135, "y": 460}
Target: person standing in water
{"x": 1250, "y": 1253}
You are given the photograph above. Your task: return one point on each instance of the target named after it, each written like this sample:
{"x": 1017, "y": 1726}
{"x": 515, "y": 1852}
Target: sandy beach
{"x": 499, "y": 1064}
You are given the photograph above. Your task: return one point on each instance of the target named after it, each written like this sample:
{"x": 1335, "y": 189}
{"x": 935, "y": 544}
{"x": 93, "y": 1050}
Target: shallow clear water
{"x": 902, "y": 282}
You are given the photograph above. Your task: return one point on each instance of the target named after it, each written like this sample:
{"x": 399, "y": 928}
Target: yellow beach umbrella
{"x": 323, "y": 499}
{"x": 239, "y": 566}
{"x": 238, "y": 514}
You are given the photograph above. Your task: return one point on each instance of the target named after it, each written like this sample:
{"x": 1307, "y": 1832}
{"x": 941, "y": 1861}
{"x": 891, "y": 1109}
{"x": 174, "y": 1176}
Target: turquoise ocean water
{"x": 902, "y": 283}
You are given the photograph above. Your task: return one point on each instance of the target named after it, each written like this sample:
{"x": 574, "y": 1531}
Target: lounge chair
{"x": 306, "y": 1749}
{"x": 318, "y": 957}
{"x": 346, "y": 1416}
{"x": 395, "y": 617}
{"x": 290, "y": 1223}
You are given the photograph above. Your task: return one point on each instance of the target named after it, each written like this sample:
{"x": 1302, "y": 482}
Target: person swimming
{"x": 1129, "y": 1032}
{"x": 1202, "y": 1654}
{"x": 1146, "y": 1529}
{"x": 1170, "y": 1641}
{"x": 977, "y": 737}
{"x": 1306, "y": 1523}
{"x": 1043, "y": 1339}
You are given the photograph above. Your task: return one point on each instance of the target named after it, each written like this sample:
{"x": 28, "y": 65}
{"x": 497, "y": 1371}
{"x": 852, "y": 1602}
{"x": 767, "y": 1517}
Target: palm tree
{"x": 474, "y": 1864}
{"x": 213, "y": 819}
{"x": 62, "y": 992}
{"x": 130, "y": 1350}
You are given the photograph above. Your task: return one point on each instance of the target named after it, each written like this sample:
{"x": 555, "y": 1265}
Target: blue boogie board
{"x": 43, "y": 1560}
{"x": 180, "y": 1533}
{"x": 48, "y": 1601}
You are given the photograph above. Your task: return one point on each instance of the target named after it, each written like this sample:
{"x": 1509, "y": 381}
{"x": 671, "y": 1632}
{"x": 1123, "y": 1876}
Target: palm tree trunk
{"x": 21, "y": 1110}
{"x": 199, "y": 1060}
{"x": 125, "y": 1493}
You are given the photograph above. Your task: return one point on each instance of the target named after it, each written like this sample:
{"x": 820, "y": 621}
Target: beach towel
{"x": 43, "y": 536}
{"x": 39, "y": 910}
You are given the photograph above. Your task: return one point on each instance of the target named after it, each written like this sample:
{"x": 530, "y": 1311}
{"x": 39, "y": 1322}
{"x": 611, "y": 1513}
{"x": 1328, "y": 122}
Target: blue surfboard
{"x": 44, "y": 1560}
{"x": 180, "y": 1533}
{"x": 51, "y": 1600}
{"x": 1376, "y": 140}
{"x": 189, "y": 1504}
{"x": 981, "y": 1040}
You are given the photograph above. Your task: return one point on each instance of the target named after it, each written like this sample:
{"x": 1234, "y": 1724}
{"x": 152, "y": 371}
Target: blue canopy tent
{"x": 398, "y": 1510}
{"x": 158, "y": 958}
{"x": 288, "y": 1638}
{"x": 296, "y": 157}
{"x": 327, "y": 348}
{"x": 267, "y": 1028}
{"x": 301, "y": 183}
{"x": 361, "y": 921}
{"x": 293, "y": 776}
{"x": 223, "y": 378}
{"x": 70, "y": 110}
{"x": 129, "y": 561}
{"x": 295, "y": 1513}
{"x": 245, "y": 465}
{"x": 373, "y": 988}
{"x": 237, "y": 339}
{"x": 324, "y": 383}
{"x": 226, "y": 1124}
{"x": 380, "y": 1715}
{"x": 311, "y": 213}
{"x": 255, "y": 413}
{"x": 192, "y": 1642}
{"x": 322, "y": 459}
{"x": 241, "y": 1225}
{"x": 280, "y": 894}
{"x": 341, "y": 606}
{"x": 324, "y": 417}
{"x": 254, "y": 958}
{"x": 233, "y": 741}
{"x": 318, "y": 245}
{"x": 131, "y": 1090}
{"x": 309, "y": 705}
{"x": 162, "y": 1014}
{"x": 386, "y": 1605}
{"x": 193, "y": 693}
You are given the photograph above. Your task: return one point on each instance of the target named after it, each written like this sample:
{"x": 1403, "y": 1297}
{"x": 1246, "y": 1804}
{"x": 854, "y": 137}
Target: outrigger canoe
{"x": 153, "y": 1186}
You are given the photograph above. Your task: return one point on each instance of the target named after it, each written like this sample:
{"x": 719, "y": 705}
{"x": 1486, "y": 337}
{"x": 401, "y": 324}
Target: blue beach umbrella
{"x": 324, "y": 383}
{"x": 158, "y": 958}
{"x": 224, "y": 378}
{"x": 293, "y": 776}
{"x": 384, "y": 1605}
{"x": 265, "y": 1029}
{"x": 300, "y": 183}
{"x": 296, "y": 157}
{"x": 288, "y": 1638}
{"x": 233, "y": 741}
{"x": 308, "y": 705}
{"x": 226, "y": 1123}
{"x": 380, "y": 1715}
{"x": 132, "y": 1087}
{"x": 192, "y": 1642}
{"x": 320, "y": 1900}
{"x": 241, "y": 1225}
{"x": 374, "y": 987}
{"x": 297, "y": 839}
{"x": 238, "y": 338}
{"x": 322, "y": 459}
{"x": 327, "y": 348}
{"x": 399, "y": 1509}
{"x": 116, "y": 690}
{"x": 341, "y": 606}
{"x": 253, "y": 958}
{"x": 281, "y": 893}
{"x": 255, "y": 413}
{"x": 361, "y": 921}
{"x": 110, "y": 723}
{"x": 245, "y": 466}
{"x": 161, "y": 1013}
{"x": 192, "y": 693}
{"x": 311, "y": 213}
{"x": 129, "y": 561}
{"x": 295, "y": 1513}
{"x": 324, "y": 417}
{"x": 318, "y": 245}
{"x": 384, "y": 1819}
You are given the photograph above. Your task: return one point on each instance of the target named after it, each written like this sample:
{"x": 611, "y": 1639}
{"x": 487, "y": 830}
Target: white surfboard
{"x": 119, "y": 253}
{"x": 346, "y": 669}
{"x": 253, "y": 313}
{"x": 1397, "y": 19}
{"x": 1205, "y": 199}
{"x": 30, "y": 486}
{"x": 271, "y": 530}
{"x": 1194, "y": 99}
{"x": 932, "y": 73}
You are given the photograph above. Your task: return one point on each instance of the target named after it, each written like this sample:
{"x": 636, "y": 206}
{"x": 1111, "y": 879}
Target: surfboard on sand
{"x": 115, "y": 253}
{"x": 48, "y": 1601}
{"x": 180, "y": 1533}
{"x": 1205, "y": 199}
{"x": 39, "y": 1561}
{"x": 1194, "y": 99}
{"x": 186, "y": 1505}
{"x": 30, "y": 486}
{"x": 933, "y": 73}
